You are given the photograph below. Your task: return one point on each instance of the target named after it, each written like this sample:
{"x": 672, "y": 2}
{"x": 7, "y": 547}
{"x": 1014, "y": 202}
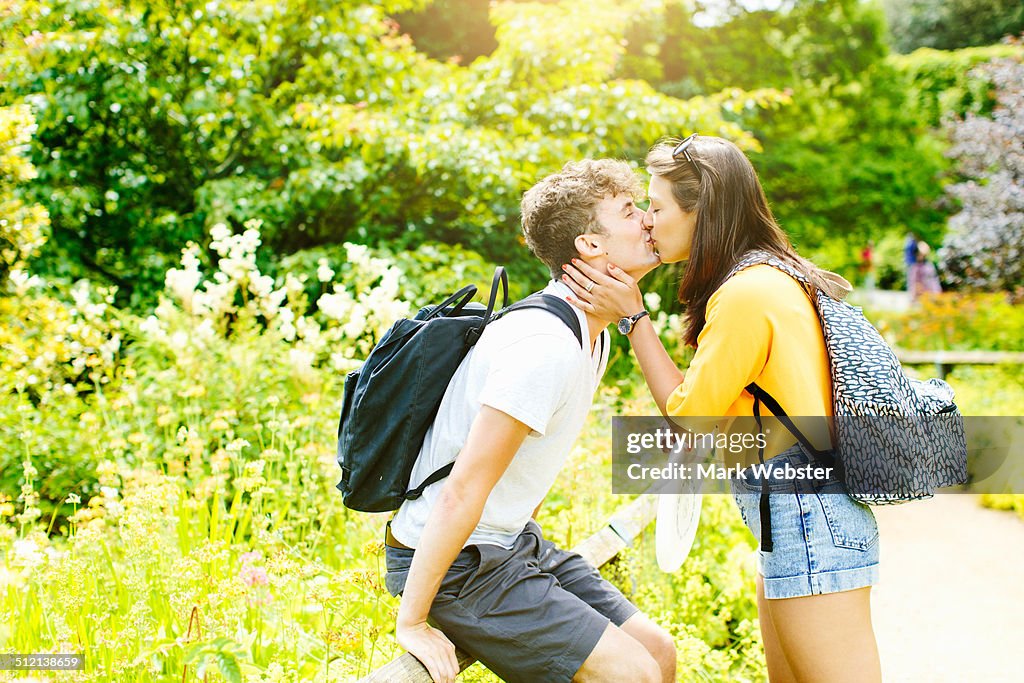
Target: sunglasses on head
{"x": 683, "y": 149}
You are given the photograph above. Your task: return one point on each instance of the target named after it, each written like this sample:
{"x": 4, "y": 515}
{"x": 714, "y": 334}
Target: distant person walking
{"x": 922, "y": 277}
{"x": 909, "y": 255}
{"x": 867, "y": 265}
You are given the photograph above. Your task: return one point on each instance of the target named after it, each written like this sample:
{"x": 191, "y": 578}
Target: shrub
{"x": 957, "y": 321}
{"x": 984, "y": 248}
{"x": 22, "y": 226}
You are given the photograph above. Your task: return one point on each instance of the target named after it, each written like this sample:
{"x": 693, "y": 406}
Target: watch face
{"x": 625, "y": 325}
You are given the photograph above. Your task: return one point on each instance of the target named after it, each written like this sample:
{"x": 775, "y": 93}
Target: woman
{"x": 757, "y": 326}
{"x": 923, "y": 278}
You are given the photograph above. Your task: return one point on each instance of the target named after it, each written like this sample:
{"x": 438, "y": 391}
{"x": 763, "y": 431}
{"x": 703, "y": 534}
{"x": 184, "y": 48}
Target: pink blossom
{"x": 251, "y": 557}
{"x": 253, "y": 576}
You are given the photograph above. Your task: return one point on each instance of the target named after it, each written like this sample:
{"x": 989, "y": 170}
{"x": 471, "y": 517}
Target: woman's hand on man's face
{"x": 611, "y": 295}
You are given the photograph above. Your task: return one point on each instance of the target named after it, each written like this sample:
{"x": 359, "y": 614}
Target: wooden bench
{"x": 944, "y": 361}
{"x": 620, "y": 531}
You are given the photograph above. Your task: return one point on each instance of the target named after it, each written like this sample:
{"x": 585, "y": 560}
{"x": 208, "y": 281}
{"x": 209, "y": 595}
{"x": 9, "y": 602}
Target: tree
{"x": 984, "y": 248}
{"x": 160, "y": 119}
{"x": 951, "y": 24}
{"x": 156, "y": 119}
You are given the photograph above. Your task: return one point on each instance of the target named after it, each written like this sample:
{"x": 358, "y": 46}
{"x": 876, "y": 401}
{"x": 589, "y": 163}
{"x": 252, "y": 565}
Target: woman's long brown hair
{"x": 732, "y": 218}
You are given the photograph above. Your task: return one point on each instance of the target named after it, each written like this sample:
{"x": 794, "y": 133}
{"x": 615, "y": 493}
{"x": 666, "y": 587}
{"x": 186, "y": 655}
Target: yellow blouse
{"x": 761, "y": 327}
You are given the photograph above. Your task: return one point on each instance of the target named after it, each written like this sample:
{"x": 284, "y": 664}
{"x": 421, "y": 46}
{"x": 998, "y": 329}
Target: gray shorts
{"x": 532, "y": 613}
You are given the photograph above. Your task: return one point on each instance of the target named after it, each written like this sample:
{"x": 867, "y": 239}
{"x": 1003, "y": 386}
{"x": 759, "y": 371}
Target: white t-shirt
{"x": 529, "y": 365}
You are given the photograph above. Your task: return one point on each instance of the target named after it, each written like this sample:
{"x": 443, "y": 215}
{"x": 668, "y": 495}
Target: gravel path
{"x": 950, "y": 605}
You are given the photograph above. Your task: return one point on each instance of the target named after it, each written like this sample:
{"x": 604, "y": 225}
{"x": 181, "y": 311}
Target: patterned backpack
{"x": 895, "y": 439}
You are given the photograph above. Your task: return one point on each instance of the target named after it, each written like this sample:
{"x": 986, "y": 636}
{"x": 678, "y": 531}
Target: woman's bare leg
{"x": 778, "y": 667}
{"x": 827, "y": 638}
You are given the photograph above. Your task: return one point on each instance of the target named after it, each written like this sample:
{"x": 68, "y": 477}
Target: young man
{"x": 481, "y": 570}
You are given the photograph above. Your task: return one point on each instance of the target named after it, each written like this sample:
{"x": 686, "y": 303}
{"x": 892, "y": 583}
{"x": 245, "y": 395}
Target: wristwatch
{"x": 625, "y": 325}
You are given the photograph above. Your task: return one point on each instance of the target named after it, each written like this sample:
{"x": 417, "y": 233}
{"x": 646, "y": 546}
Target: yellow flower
{"x": 219, "y": 425}
{"x": 6, "y": 509}
{"x": 194, "y": 391}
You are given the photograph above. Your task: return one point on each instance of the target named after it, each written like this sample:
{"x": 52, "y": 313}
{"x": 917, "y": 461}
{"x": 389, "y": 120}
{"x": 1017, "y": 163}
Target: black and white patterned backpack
{"x": 895, "y": 439}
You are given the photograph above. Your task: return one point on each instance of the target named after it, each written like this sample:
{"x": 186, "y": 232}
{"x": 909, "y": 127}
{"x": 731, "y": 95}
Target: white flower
{"x": 356, "y": 252}
{"x": 151, "y": 327}
{"x": 25, "y": 553}
{"x": 356, "y": 324}
{"x": 323, "y": 271}
{"x": 293, "y": 284}
{"x": 206, "y": 330}
{"x": 261, "y": 285}
{"x": 652, "y": 300}
{"x": 302, "y": 360}
{"x": 335, "y": 305}
{"x": 22, "y": 281}
{"x": 236, "y": 446}
{"x": 219, "y": 233}
{"x": 80, "y": 293}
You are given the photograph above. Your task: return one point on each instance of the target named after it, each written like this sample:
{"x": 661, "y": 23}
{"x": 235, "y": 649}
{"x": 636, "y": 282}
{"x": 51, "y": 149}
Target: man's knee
{"x": 619, "y": 657}
{"x": 639, "y": 667}
{"x": 663, "y": 648}
{"x": 649, "y": 670}
{"x": 656, "y": 640}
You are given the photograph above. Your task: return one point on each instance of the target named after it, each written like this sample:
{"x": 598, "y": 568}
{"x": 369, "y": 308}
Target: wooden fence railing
{"x": 620, "y": 531}
{"x": 944, "y": 361}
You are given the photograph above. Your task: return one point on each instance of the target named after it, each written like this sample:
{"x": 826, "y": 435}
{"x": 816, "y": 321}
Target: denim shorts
{"x": 532, "y": 613}
{"x": 824, "y": 540}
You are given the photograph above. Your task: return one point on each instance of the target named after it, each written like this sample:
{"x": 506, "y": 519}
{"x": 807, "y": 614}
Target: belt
{"x": 390, "y": 540}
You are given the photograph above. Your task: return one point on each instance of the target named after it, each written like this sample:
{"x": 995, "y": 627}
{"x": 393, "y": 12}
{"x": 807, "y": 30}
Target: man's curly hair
{"x": 563, "y": 206}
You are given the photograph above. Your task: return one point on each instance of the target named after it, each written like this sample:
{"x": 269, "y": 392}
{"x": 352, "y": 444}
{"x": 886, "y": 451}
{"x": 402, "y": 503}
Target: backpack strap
{"x": 438, "y": 475}
{"x": 557, "y": 307}
{"x": 762, "y": 396}
{"x": 500, "y": 277}
{"x": 825, "y": 457}
{"x": 552, "y": 304}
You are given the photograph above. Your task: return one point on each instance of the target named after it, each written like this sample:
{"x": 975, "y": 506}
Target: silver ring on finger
{"x": 590, "y": 286}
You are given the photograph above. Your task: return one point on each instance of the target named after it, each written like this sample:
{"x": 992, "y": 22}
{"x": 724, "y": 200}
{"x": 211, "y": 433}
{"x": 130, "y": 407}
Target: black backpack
{"x": 391, "y": 401}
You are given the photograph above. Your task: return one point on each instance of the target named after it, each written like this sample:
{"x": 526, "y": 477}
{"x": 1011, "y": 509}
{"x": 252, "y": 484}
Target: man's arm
{"x": 493, "y": 441}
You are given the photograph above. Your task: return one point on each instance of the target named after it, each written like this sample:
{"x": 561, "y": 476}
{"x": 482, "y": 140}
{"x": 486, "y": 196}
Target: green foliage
{"x": 945, "y": 84}
{"x": 157, "y": 121}
{"x": 157, "y": 118}
{"x": 1004, "y": 501}
{"x": 890, "y": 267}
{"x": 851, "y": 158}
{"x": 59, "y": 356}
{"x": 951, "y": 24}
{"x": 851, "y": 164}
{"x": 22, "y": 226}
{"x": 957, "y": 321}
{"x": 429, "y": 273}
{"x": 182, "y": 515}
{"x": 807, "y": 40}
{"x": 450, "y": 29}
